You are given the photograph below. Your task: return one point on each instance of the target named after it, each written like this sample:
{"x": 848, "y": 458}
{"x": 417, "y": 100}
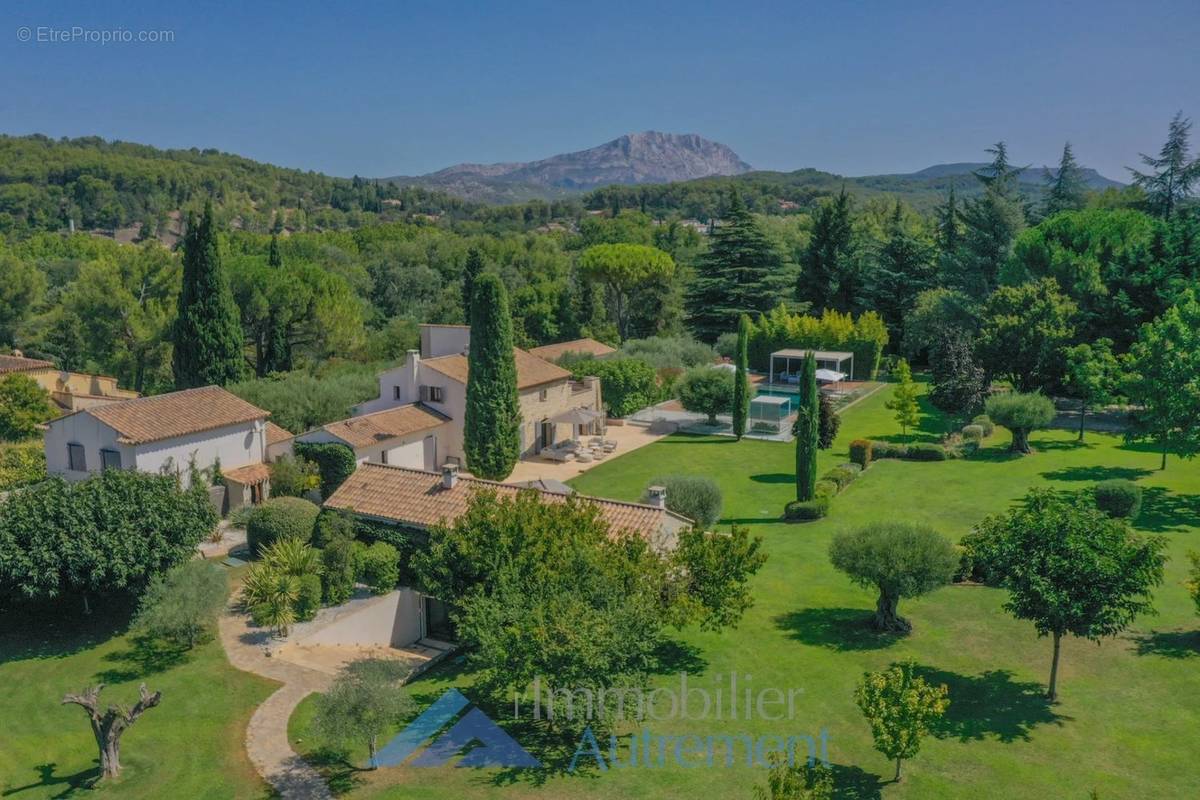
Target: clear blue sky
{"x": 402, "y": 88}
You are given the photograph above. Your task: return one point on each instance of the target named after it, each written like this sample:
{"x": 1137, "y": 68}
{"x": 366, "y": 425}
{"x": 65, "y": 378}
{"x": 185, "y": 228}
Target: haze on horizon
{"x": 403, "y": 88}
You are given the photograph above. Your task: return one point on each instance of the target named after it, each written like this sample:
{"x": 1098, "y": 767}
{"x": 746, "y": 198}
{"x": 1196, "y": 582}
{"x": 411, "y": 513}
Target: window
{"x": 395, "y": 392}
{"x": 543, "y": 394}
{"x": 110, "y": 459}
{"x": 76, "y": 461}
{"x": 383, "y": 456}
{"x": 431, "y": 394}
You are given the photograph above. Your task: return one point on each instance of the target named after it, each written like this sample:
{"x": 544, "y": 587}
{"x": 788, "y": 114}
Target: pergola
{"x": 826, "y": 359}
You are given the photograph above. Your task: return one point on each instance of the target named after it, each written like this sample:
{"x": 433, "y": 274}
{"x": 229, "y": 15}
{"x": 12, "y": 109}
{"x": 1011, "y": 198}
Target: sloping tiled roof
{"x": 417, "y": 498}
{"x": 531, "y": 370}
{"x": 277, "y": 435}
{"x": 249, "y": 474}
{"x": 380, "y": 426}
{"x": 553, "y": 352}
{"x": 165, "y": 416}
{"x": 21, "y": 364}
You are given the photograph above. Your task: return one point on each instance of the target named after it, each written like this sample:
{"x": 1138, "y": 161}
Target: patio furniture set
{"x": 594, "y": 449}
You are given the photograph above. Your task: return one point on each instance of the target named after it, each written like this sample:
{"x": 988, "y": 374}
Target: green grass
{"x": 1128, "y": 721}
{"x": 190, "y": 746}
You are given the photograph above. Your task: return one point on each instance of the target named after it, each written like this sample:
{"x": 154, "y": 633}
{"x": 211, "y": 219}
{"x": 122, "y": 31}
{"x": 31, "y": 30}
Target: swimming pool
{"x": 793, "y": 399}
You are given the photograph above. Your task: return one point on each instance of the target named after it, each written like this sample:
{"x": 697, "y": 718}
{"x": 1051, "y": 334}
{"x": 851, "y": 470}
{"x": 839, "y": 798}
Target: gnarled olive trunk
{"x": 886, "y": 619}
{"x": 1020, "y": 440}
{"x": 107, "y": 726}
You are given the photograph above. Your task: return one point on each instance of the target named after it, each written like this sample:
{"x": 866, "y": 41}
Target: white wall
{"x": 88, "y": 431}
{"x": 444, "y": 340}
{"x": 235, "y": 446}
{"x": 407, "y": 451}
{"x": 393, "y": 619}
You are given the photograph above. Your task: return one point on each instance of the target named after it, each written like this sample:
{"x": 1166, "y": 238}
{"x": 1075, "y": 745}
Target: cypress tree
{"x": 741, "y": 381}
{"x": 493, "y": 416}
{"x": 208, "y": 333}
{"x": 807, "y": 430}
{"x": 742, "y": 273}
{"x": 274, "y": 258}
{"x": 471, "y": 273}
{"x": 277, "y": 352}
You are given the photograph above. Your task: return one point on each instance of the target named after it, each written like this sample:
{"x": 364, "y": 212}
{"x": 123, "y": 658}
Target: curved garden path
{"x": 266, "y": 735}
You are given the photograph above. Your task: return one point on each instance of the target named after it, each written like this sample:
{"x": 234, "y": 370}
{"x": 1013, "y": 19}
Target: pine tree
{"x": 208, "y": 333}
{"x": 471, "y": 272}
{"x": 493, "y": 415}
{"x": 828, "y": 277}
{"x": 741, "y": 380}
{"x": 904, "y": 398}
{"x": 277, "y": 350}
{"x": 274, "y": 258}
{"x": 904, "y": 268}
{"x": 742, "y": 273}
{"x": 1065, "y": 188}
{"x": 992, "y": 223}
{"x": 806, "y": 429}
{"x": 1173, "y": 174}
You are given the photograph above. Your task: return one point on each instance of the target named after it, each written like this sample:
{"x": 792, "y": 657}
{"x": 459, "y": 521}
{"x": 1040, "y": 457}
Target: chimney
{"x": 449, "y": 476}
{"x": 657, "y": 496}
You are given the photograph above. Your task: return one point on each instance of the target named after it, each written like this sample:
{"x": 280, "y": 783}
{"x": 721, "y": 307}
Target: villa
{"x": 70, "y": 391}
{"x": 417, "y": 421}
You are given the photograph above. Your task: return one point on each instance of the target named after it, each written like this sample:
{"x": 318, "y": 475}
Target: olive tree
{"x": 706, "y": 390}
{"x": 1020, "y": 413}
{"x": 365, "y": 702}
{"x": 900, "y": 559}
{"x": 109, "y": 725}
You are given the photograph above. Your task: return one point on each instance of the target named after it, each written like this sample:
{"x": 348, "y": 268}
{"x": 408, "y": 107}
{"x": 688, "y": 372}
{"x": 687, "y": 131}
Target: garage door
{"x": 411, "y": 455}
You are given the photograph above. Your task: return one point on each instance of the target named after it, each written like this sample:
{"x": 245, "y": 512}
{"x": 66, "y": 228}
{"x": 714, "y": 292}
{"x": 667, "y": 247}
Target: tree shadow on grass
{"x": 1095, "y": 474}
{"x": 1169, "y": 644}
{"x": 58, "y": 629}
{"x": 997, "y": 452}
{"x": 335, "y": 767}
{"x": 774, "y": 477}
{"x": 71, "y": 784}
{"x": 1165, "y": 512}
{"x": 855, "y": 783}
{"x": 836, "y": 628}
{"x": 147, "y": 655}
{"x": 672, "y": 657}
{"x": 1051, "y": 445}
{"x": 990, "y": 705}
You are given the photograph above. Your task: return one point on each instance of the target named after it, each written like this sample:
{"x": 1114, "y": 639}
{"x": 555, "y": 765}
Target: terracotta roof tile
{"x": 165, "y": 416}
{"x": 249, "y": 474}
{"x": 277, "y": 435}
{"x": 531, "y": 370}
{"x": 380, "y": 426}
{"x": 417, "y": 498}
{"x": 22, "y": 364}
{"x": 553, "y": 352}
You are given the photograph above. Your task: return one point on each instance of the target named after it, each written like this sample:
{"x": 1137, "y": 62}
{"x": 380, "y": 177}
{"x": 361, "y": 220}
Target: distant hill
{"x": 634, "y": 159}
{"x": 1034, "y": 175}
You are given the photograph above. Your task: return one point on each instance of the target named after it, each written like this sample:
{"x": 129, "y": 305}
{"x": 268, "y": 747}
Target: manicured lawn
{"x": 189, "y": 746}
{"x": 1128, "y": 722}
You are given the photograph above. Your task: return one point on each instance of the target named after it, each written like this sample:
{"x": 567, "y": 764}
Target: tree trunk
{"x": 1020, "y": 441}
{"x": 1052, "y": 693}
{"x": 712, "y": 418}
{"x": 372, "y": 750}
{"x": 886, "y": 619}
{"x": 1082, "y": 414}
{"x": 897, "y": 778}
{"x": 108, "y": 726}
{"x": 1163, "y": 465}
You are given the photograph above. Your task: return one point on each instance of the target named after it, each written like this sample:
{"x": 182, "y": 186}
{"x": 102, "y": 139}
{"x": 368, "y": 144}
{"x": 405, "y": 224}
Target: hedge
{"x": 1118, "y": 498}
{"x": 865, "y": 336}
{"x": 972, "y": 433}
{"x": 924, "y": 451}
{"x": 800, "y": 511}
{"x": 860, "y": 452}
{"x": 826, "y": 489}
{"x": 888, "y": 450}
{"x": 335, "y": 461}
{"x": 842, "y": 475}
{"x": 379, "y": 567}
{"x": 280, "y": 518}
{"x": 22, "y": 464}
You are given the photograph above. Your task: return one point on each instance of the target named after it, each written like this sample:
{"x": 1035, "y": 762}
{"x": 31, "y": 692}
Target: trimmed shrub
{"x": 339, "y": 561}
{"x": 292, "y": 477}
{"x": 842, "y": 475}
{"x": 985, "y": 422}
{"x": 888, "y": 450}
{"x": 802, "y": 511}
{"x": 925, "y": 451}
{"x": 308, "y": 599}
{"x": 1118, "y": 498}
{"x": 860, "y": 452}
{"x": 334, "y": 461}
{"x": 280, "y": 518}
{"x": 333, "y": 524}
{"x": 696, "y": 497}
{"x": 379, "y": 567}
{"x": 972, "y": 433}
{"x": 825, "y": 488}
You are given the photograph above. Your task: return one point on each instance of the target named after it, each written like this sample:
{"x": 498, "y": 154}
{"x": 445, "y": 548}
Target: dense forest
{"x": 327, "y": 273}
